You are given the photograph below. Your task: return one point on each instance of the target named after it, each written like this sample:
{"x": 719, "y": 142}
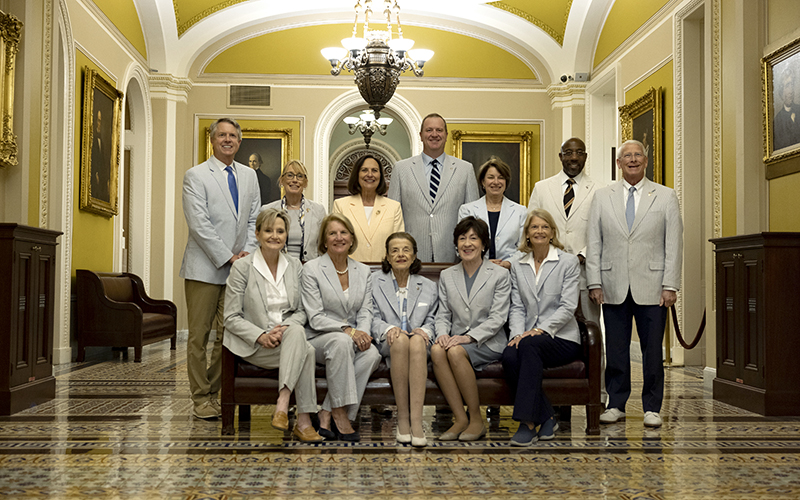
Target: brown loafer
{"x": 280, "y": 421}
{"x": 307, "y": 435}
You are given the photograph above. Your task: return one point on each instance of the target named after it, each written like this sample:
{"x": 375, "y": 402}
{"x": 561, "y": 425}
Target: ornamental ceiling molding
{"x": 558, "y": 37}
{"x": 184, "y": 27}
{"x": 565, "y": 95}
{"x": 163, "y": 86}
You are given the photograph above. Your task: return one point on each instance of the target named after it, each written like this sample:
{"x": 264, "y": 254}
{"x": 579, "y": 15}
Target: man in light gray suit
{"x": 633, "y": 268}
{"x": 220, "y": 202}
{"x": 431, "y": 187}
{"x": 568, "y": 196}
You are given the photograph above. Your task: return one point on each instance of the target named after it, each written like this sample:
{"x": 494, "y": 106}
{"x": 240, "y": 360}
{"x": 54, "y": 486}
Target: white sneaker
{"x": 611, "y": 416}
{"x": 651, "y": 419}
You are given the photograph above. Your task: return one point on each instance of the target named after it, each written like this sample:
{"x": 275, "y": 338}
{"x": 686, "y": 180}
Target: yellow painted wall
{"x": 783, "y": 212}
{"x": 552, "y": 13}
{"x": 92, "y": 234}
{"x": 124, "y": 16}
{"x": 661, "y": 78}
{"x": 294, "y": 126}
{"x": 626, "y": 16}
{"x": 485, "y": 60}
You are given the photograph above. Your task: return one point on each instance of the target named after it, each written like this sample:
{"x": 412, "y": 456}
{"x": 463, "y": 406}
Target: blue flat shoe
{"x": 548, "y": 429}
{"x": 524, "y": 436}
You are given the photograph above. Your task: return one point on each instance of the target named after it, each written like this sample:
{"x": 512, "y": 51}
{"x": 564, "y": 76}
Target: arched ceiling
{"x": 507, "y": 39}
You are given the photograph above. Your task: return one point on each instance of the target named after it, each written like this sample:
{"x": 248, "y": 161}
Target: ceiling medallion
{"x": 377, "y": 58}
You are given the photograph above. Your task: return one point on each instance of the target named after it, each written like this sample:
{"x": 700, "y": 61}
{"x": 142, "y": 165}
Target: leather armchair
{"x": 114, "y": 310}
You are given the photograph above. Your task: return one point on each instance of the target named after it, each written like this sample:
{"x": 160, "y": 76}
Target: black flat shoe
{"x": 327, "y": 434}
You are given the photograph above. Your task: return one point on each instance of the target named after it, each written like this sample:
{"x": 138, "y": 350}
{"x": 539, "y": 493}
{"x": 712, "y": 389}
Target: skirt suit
{"x": 480, "y": 314}
{"x": 330, "y": 309}
{"x": 548, "y": 305}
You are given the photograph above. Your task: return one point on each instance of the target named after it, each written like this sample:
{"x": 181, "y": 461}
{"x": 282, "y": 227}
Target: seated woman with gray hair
{"x": 264, "y": 321}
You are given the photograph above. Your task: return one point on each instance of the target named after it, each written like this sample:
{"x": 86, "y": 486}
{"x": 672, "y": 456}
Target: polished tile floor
{"x": 119, "y": 429}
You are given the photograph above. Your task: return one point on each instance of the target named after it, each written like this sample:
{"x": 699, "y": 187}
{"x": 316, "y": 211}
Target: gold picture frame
{"x": 781, "y": 109}
{"x": 10, "y": 31}
{"x": 100, "y": 151}
{"x": 514, "y": 148}
{"x": 641, "y": 120}
{"x": 274, "y": 147}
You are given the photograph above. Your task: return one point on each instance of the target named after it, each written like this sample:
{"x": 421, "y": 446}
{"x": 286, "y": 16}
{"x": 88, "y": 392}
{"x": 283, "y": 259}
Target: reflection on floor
{"x": 120, "y": 429}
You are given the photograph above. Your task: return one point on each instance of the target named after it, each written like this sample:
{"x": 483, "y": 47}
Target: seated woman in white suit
{"x": 544, "y": 332}
{"x": 264, "y": 321}
{"x": 473, "y": 306}
{"x": 337, "y": 296}
{"x": 504, "y": 217}
{"x": 305, "y": 215}
{"x": 374, "y": 216}
{"x": 405, "y": 306}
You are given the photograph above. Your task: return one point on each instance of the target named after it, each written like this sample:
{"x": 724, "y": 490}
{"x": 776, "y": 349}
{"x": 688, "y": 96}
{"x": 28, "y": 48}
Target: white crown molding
{"x": 566, "y": 95}
{"x": 163, "y": 86}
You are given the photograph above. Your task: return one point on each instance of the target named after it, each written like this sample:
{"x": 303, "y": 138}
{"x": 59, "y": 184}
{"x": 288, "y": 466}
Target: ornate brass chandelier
{"x": 377, "y": 58}
{"x": 367, "y": 124}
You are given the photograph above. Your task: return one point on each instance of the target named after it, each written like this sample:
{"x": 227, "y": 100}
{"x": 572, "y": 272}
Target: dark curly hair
{"x": 480, "y": 228}
{"x": 416, "y": 266}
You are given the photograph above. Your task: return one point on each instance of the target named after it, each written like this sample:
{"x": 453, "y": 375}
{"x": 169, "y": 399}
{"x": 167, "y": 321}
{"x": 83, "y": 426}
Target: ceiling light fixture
{"x": 367, "y": 124}
{"x": 377, "y": 58}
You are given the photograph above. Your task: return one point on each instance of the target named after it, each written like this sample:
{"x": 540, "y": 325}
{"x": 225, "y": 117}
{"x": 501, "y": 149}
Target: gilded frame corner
{"x": 284, "y": 134}
{"x": 10, "y": 32}
{"x": 785, "y": 159}
{"x": 524, "y": 139}
{"x": 100, "y": 151}
{"x": 650, "y": 101}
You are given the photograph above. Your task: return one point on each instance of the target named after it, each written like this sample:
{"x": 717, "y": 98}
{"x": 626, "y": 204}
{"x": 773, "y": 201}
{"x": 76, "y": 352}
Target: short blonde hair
{"x": 543, "y": 214}
{"x": 298, "y": 165}
{"x": 323, "y": 228}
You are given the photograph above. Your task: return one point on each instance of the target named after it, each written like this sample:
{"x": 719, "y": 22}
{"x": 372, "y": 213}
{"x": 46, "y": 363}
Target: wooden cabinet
{"x": 27, "y": 267}
{"x": 758, "y": 318}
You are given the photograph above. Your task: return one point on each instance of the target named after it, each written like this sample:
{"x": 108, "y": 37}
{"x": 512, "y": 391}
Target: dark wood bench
{"x": 575, "y": 384}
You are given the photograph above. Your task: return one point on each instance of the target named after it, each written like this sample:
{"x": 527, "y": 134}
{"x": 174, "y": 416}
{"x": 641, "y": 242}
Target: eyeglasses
{"x": 628, "y": 156}
{"x": 291, "y": 176}
{"x": 570, "y": 152}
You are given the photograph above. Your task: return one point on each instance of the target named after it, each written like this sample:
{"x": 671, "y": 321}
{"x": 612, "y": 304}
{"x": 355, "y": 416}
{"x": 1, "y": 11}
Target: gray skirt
{"x": 481, "y": 356}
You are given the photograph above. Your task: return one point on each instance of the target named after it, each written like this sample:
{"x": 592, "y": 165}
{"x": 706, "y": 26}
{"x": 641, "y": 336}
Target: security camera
{"x": 564, "y": 78}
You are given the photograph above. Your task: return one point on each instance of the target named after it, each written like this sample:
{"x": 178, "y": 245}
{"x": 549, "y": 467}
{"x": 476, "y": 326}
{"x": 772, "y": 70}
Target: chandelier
{"x": 367, "y": 124}
{"x": 378, "y": 57}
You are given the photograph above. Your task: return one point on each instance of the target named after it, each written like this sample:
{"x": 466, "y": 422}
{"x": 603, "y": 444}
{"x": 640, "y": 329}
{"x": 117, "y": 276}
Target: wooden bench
{"x": 574, "y": 384}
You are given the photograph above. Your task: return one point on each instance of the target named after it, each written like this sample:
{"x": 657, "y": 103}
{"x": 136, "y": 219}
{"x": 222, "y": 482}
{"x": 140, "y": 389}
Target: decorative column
{"x": 570, "y": 98}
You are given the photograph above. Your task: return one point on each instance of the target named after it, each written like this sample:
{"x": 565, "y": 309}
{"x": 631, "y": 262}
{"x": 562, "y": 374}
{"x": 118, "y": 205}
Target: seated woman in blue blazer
{"x": 504, "y": 217}
{"x": 337, "y": 296}
{"x": 264, "y": 321}
{"x": 473, "y": 306}
{"x": 404, "y": 305}
{"x": 543, "y": 329}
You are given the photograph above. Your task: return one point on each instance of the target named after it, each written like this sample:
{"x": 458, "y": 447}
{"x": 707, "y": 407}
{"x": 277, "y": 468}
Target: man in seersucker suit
{"x": 431, "y": 187}
{"x": 221, "y": 201}
{"x": 633, "y": 268}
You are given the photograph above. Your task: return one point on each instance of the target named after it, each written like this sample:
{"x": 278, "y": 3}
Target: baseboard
{"x": 709, "y": 374}
{"x": 62, "y": 355}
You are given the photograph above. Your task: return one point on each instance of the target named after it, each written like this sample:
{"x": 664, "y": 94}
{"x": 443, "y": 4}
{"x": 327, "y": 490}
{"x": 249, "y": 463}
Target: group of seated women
{"x": 335, "y": 312}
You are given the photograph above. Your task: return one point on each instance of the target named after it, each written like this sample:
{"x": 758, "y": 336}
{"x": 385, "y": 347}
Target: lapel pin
{"x": 378, "y": 212}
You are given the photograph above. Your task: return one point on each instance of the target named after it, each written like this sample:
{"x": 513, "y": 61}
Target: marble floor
{"x": 119, "y": 429}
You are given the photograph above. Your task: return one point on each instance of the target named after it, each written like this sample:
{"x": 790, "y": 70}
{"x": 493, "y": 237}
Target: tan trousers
{"x": 204, "y": 306}
{"x": 294, "y": 359}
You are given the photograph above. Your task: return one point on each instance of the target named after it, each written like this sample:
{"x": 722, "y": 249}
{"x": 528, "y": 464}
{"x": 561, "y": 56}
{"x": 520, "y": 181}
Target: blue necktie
{"x": 434, "y": 179}
{"x": 630, "y": 208}
{"x": 233, "y": 188}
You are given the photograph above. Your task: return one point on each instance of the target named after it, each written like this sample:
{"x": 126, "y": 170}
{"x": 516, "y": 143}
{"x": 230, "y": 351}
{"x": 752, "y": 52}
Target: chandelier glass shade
{"x": 367, "y": 123}
{"x": 379, "y": 57}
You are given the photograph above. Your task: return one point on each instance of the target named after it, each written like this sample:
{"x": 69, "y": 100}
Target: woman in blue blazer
{"x": 543, "y": 329}
{"x": 337, "y": 296}
{"x": 504, "y": 217}
{"x": 265, "y": 320}
{"x": 473, "y": 307}
{"x": 404, "y": 305}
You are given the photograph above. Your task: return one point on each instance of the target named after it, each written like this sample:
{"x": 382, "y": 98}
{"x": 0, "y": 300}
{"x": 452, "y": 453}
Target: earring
{"x": 528, "y": 241}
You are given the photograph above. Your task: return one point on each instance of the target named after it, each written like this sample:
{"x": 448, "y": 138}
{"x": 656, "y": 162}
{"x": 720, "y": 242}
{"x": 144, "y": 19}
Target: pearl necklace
{"x": 341, "y": 273}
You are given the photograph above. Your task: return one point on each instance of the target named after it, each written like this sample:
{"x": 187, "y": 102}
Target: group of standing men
{"x": 628, "y": 238}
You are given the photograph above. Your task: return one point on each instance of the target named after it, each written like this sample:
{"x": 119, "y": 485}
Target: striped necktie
{"x": 569, "y": 196}
{"x": 434, "y": 179}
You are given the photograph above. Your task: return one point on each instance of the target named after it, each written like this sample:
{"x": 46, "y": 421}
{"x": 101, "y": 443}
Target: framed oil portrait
{"x": 642, "y": 120}
{"x": 514, "y": 148}
{"x": 10, "y": 30}
{"x": 265, "y": 151}
{"x": 100, "y": 152}
{"x": 780, "y": 76}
